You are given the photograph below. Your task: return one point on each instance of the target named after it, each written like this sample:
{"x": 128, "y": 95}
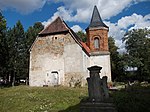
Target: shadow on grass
{"x": 74, "y": 108}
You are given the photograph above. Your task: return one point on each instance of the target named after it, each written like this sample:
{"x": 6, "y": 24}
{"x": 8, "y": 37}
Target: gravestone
{"x": 98, "y": 100}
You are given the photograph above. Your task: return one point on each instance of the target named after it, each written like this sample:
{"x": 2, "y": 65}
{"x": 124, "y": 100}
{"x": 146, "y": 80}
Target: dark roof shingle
{"x": 55, "y": 27}
{"x": 96, "y": 20}
{"x": 59, "y": 26}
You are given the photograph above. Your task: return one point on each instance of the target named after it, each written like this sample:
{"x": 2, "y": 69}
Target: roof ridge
{"x": 47, "y": 26}
{"x": 54, "y": 27}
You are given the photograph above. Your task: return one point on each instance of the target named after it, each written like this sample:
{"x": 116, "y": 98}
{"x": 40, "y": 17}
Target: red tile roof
{"x": 86, "y": 48}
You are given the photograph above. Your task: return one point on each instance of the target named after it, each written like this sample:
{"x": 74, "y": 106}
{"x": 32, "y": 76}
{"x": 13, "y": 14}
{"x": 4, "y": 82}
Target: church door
{"x": 54, "y": 78}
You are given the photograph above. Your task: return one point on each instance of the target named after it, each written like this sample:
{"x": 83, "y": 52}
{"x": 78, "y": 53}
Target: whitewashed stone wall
{"x": 75, "y": 63}
{"x": 46, "y": 56}
{"x": 61, "y": 54}
{"x": 104, "y": 62}
{"x": 56, "y": 53}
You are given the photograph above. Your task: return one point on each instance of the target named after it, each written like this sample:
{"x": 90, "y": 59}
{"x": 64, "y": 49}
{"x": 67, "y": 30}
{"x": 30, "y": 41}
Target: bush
{"x": 137, "y": 100}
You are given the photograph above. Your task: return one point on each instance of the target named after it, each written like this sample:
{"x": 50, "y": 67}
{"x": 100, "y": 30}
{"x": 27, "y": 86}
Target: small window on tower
{"x": 96, "y": 43}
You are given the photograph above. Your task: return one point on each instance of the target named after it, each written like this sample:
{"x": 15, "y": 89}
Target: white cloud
{"x": 118, "y": 29}
{"x": 73, "y": 8}
{"x": 62, "y": 12}
{"x": 22, "y": 6}
{"x": 138, "y": 21}
{"x": 76, "y": 28}
{"x": 80, "y": 11}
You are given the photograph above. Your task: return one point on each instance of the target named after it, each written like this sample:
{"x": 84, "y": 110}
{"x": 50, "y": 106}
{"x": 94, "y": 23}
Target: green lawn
{"x": 37, "y": 99}
{"x": 63, "y": 99}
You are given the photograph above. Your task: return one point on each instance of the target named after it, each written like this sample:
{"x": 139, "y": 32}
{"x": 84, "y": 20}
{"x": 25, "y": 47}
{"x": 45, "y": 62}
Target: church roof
{"x": 59, "y": 26}
{"x": 55, "y": 27}
{"x": 96, "y": 20}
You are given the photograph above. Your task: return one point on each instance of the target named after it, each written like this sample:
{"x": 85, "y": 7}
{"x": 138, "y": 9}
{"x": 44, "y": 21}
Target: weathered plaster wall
{"x": 46, "y": 56}
{"x": 104, "y": 62}
{"x": 75, "y": 63}
{"x": 56, "y": 53}
{"x": 60, "y": 53}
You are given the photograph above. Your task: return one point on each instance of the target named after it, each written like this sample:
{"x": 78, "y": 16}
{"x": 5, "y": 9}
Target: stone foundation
{"x": 74, "y": 78}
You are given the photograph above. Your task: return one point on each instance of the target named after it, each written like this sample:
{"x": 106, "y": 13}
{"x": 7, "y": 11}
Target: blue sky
{"x": 119, "y": 15}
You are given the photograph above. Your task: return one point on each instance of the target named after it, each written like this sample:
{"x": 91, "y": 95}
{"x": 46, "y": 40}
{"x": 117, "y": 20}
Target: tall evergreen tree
{"x": 32, "y": 33}
{"x": 117, "y": 61}
{"x": 113, "y": 56}
{"x": 17, "y": 51}
{"x": 3, "y": 47}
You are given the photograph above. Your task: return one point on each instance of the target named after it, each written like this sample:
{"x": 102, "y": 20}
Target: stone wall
{"x": 47, "y": 56}
{"x": 56, "y": 53}
{"x": 104, "y": 62}
{"x": 76, "y": 63}
{"x": 75, "y": 78}
{"x": 60, "y": 53}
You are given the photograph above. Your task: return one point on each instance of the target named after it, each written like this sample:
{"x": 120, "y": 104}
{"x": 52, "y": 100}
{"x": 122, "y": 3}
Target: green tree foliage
{"x": 3, "y": 47}
{"x": 17, "y": 51}
{"x": 117, "y": 61}
{"x": 32, "y": 33}
{"x": 19, "y": 43}
{"x": 82, "y": 35}
{"x": 113, "y": 56}
{"x": 137, "y": 45}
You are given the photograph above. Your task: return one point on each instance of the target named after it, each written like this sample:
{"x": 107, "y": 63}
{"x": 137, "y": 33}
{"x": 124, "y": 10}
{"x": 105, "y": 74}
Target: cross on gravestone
{"x": 97, "y": 87}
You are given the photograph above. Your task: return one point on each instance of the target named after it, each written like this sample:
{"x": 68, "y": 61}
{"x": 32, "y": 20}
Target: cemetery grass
{"x": 134, "y": 99}
{"x": 37, "y": 99}
{"x": 64, "y": 99}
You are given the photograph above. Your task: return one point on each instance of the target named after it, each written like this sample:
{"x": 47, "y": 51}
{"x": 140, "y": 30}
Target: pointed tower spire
{"x": 97, "y": 34}
{"x": 96, "y": 20}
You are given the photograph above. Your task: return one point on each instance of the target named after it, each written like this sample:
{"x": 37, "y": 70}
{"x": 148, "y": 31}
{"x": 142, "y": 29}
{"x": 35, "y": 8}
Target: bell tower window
{"x": 96, "y": 43}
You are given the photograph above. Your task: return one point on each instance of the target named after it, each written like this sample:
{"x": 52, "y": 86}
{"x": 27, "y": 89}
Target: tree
{"x": 117, "y": 61}
{"x": 17, "y": 51}
{"x": 19, "y": 43}
{"x": 113, "y": 56}
{"x": 14, "y": 49}
{"x": 137, "y": 45}
{"x": 82, "y": 35}
{"x": 32, "y": 33}
{"x": 3, "y": 47}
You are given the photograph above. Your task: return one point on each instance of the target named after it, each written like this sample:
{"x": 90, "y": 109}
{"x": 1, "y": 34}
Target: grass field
{"x": 34, "y": 99}
{"x": 63, "y": 99}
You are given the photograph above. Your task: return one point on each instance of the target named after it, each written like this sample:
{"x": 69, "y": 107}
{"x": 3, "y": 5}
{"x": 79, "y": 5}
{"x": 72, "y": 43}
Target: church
{"x": 59, "y": 56}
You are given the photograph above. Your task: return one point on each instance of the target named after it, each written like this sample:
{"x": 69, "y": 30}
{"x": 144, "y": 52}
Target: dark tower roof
{"x": 96, "y": 20}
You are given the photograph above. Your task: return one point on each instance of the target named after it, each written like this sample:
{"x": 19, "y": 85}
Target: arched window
{"x": 96, "y": 43}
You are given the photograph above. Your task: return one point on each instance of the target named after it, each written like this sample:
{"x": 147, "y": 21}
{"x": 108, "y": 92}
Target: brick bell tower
{"x": 97, "y": 41}
{"x": 97, "y": 34}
